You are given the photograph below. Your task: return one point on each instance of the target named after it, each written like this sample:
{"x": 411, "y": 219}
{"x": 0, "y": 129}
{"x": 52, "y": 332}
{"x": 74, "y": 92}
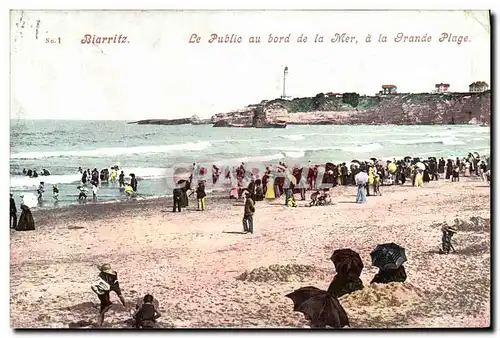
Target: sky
{"x": 159, "y": 74}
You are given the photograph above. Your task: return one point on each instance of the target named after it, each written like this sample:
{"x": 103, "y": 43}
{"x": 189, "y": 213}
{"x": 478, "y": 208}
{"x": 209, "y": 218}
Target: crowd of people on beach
{"x": 368, "y": 176}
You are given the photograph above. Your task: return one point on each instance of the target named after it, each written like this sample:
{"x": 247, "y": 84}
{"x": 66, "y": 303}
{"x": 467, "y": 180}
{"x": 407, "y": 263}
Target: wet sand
{"x": 192, "y": 261}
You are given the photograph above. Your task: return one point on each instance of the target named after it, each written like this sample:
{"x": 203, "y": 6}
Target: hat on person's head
{"x": 106, "y": 268}
{"x": 11, "y": 194}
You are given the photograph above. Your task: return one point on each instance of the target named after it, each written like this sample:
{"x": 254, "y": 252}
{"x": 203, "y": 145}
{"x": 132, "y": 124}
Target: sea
{"x": 151, "y": 151}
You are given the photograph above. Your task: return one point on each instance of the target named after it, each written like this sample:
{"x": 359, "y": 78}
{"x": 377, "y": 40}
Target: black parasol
{"x": 407, "y": 158}
{"x": 355, "y": 161}
{"x": 373, "y": 159}
{"x": 347, "y": 262}
{"x": 324, "y": 310}
{"x": 301, "y": 295}
{"x": 388, "y": 256}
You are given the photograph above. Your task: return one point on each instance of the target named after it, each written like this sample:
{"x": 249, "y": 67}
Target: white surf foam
{"x": 293, "y": 137}
{"x": 295, "y": 154}
{"x": 363, "y": 148}
{"x": 27, "y": 182}
{"x": 99, "y": 152}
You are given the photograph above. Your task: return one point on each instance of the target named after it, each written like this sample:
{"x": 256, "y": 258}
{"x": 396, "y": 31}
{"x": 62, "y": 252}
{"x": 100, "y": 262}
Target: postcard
{"x": 250, "y": 169}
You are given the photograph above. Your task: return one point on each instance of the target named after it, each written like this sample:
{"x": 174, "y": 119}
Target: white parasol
{"x": 361, "y": 178}
{"x": 420, "y": 165}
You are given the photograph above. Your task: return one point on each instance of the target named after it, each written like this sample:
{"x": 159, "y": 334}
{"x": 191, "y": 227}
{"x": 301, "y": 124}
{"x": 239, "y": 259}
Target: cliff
{"x": 350, "y": 108}
{"x": 190, "y": 120}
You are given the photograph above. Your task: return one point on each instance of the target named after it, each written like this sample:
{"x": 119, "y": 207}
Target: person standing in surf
{"x": 121, "y": 179}
{"x": 55, "y": 192}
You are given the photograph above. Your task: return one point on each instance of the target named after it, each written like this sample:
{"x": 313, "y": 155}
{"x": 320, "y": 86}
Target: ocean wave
{"x": 445, "y": 141}
{"x": 188, "y": 146}
{"x": 452, "y": 142}
{"x": 362, "y": 148}
{"x": 250, "y": 159}
{"x": 293, "y": 137}
{"x": 295, "y": 154}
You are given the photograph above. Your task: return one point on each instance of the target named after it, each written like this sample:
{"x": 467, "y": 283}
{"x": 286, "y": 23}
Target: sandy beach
{"x": 199, "y": 266}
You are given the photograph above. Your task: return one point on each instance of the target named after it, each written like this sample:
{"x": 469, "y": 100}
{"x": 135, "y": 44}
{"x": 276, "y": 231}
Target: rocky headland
{"x": 351, "y": 108}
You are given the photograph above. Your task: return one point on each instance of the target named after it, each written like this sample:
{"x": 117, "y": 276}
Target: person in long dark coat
{"x": 441, "y": 166}
{"x": 449, "y": 169}
{"x": 13, "y": 212}
{"x": 26, "y": 221}
{"x": 389, "y": 276}
{"x": 426, "y": 177}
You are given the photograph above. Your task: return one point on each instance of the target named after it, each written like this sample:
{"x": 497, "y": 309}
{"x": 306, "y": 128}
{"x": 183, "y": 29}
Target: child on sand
{"x": 147, "y": 314}
{"x": 107, "y": 281}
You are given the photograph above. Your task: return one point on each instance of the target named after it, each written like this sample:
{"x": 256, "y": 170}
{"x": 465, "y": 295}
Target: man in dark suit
{"x": 13, "y": 212}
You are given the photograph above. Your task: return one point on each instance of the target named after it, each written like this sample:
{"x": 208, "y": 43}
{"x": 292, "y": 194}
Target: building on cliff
{"x": 389, "y": 89}
{"x": 442, "y": 87}
{"x": 478, "y": 86}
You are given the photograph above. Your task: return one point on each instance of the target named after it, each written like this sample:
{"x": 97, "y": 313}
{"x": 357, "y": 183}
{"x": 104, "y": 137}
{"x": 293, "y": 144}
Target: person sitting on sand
{"x": 314, "y": 198}
{"x": 343, "y": 284}
{"x": 389, "y": 276}
{"x": 107, "y": 281}
{"x": 147, "y": 314}
{"x": 324, "y": 198}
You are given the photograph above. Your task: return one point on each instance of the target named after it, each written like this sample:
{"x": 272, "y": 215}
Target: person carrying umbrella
{"x": 361, "y": 180}
{"x": 389, "y": 258}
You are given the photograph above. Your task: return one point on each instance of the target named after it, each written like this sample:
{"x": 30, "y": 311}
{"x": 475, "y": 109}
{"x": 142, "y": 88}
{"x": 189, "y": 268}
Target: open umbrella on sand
{"x": 355, "y": 161}
{"x": 420, "y": 165}
{"x": 347, "y": 261}
{"x": 373, "y": 159}
{"x": 407, "y": 158}
{"x": 299, "y": 296}
{"x": 388, "y": 256}
{"x": 324, "y": 310}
